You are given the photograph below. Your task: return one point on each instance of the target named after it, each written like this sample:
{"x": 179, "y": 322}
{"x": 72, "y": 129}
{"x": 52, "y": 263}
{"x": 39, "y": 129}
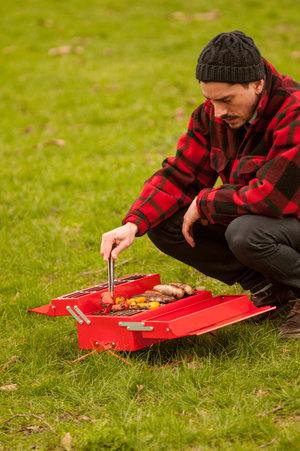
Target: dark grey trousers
{"x": 252, "y": 251}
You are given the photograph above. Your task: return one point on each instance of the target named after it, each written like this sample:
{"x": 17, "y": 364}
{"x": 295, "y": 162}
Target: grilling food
{"x": 184, "y": 286}
{"x": 136, "y": 300}
{"x": 119, "y": 306}
{"x": 107, "y": 298}
{"x": 152, "y": 295}
{"x": 120, "y": 300}
{"x": 137, "y": 303}
{"x": 153, "y": 305}
{"x": 170, "y": 290}
{"x": 162, "y": 294}
{"x": 150, "y": 299}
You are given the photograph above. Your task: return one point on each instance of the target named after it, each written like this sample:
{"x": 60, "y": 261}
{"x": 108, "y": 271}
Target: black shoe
{"x": 274, "y": 296}
{"x": 291, "y": 327}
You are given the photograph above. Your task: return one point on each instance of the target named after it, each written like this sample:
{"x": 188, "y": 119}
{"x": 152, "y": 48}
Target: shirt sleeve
{"x": 275, "y": 190}
{"x": 179, "y": 180}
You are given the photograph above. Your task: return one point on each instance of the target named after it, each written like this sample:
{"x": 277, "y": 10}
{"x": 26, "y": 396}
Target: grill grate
{"x": 120, "y": 313}
{"x": 103, "y": 286}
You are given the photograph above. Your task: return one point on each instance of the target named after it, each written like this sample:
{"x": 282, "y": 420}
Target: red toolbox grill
{"x": 129, "y": 330}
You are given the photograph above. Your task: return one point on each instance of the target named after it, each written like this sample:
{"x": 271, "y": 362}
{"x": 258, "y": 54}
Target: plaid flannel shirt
{"x": 260, "y": 170}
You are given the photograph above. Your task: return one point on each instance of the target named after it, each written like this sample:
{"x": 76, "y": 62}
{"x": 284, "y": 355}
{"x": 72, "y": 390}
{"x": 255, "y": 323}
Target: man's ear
{"x": 258, "y": 86}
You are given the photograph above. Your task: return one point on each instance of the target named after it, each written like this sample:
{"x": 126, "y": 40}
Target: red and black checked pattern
{"x": 260, "y": 171}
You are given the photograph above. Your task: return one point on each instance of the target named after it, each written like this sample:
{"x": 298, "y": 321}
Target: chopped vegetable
{"x": 153, "y": 305}
{"x": 107, "y": 298}
{"x": 120, "y": 299}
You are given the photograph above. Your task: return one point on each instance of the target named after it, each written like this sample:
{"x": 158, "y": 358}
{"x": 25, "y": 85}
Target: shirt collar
{"x": 253, "y": 117}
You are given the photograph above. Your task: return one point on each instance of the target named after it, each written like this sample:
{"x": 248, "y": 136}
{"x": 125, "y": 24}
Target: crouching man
{"x": 247, "y": 230}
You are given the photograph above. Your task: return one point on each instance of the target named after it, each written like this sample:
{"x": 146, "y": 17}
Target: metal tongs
{"x": 107, "y": 306}
{"x": 111, "y": 275}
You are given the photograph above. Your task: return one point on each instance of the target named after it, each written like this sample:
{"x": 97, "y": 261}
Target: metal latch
{"x": 81, "y": 318}
{"x": 134, "y": 325}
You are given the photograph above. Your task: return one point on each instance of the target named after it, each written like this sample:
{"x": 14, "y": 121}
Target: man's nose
{"x": 220, "y": 110}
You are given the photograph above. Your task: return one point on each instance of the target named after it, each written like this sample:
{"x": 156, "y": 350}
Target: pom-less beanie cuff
{"x": 227, "y": 74}
{"x": 230, "y": 58}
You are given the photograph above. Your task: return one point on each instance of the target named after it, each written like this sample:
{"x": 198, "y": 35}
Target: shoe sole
{"x": 287, "y": 336}
{"x": 271, "y": 316}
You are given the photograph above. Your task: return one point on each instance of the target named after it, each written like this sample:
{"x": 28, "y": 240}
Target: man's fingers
{"x": 188, "y": 235}
{"x": 118, "y": 249}
{"x": 117, "y": 240}
{"x": 190, "y": 240}
{"x": 106, "y": 246}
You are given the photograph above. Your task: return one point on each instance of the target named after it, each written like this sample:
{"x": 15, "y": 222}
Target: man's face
{"x": 235, "y": 104}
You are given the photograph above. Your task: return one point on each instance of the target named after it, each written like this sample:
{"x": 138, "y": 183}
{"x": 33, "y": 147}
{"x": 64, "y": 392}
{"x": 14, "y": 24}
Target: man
{"x": 246, "y": 230}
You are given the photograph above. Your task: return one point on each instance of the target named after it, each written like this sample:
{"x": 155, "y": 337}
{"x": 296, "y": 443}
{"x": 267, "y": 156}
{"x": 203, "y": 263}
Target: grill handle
{"x": 71, "y": 311}
{"x": 80, "y": 313}
{"x": 136, "y": 326}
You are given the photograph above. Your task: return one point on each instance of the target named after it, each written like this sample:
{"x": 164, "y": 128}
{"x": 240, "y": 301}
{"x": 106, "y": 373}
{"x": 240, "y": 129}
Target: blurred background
{"x": 94, "y": 95}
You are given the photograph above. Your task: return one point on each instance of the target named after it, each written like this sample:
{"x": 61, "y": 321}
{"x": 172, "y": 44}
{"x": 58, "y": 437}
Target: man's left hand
{"x": 190, "y": 217}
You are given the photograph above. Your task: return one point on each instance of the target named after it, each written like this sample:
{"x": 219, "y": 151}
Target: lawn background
{"x": 80, "y": 133}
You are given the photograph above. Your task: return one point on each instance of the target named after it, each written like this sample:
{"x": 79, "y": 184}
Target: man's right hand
{"x": 115, "y": 241}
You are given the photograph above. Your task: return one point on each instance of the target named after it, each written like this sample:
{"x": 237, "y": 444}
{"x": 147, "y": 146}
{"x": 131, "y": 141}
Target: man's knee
{"x": 241, "y": 234}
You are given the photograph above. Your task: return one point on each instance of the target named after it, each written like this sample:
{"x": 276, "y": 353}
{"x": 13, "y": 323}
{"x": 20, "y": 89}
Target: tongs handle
{"x": 111, "y": 275}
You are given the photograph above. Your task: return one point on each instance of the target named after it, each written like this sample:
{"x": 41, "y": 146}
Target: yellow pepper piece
{"x": 120, "y": 299}
{"x": 140, "y": 299}
{"x": 130, "y": 303}
{"x": 153, "y": 305}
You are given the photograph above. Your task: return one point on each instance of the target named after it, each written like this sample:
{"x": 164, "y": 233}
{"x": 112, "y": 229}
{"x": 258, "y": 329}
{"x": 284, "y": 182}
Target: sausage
{"x": 184, "y": 286}
{"x": 170, "y": 290}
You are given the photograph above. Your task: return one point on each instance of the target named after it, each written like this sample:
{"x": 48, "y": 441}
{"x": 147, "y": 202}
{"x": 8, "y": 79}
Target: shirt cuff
{"x": 143, "y": 226}
{"x": 202, "y": 203}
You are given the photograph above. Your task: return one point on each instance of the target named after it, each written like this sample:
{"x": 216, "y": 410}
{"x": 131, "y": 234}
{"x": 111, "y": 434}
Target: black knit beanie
{"x": 230, "y": 58}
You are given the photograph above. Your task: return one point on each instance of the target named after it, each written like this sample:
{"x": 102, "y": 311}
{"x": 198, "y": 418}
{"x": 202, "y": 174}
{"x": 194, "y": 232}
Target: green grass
{"x": 114, "y": 104}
